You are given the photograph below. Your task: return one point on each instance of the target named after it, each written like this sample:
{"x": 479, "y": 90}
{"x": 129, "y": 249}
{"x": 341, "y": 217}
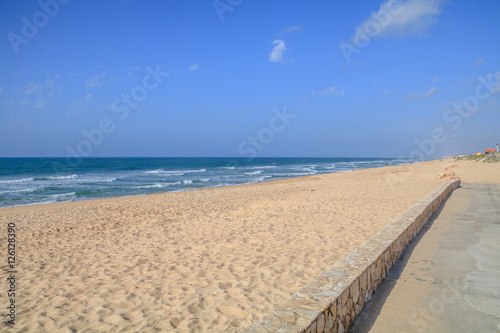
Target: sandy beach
{"x": 212, "y": 260}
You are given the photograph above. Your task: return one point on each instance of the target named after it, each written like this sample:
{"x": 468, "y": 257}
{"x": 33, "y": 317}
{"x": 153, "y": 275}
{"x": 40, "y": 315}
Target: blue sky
{"x": 413, "y": 78}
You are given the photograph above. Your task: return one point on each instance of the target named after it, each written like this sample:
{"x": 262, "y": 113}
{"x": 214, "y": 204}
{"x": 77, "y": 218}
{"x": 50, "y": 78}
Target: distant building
{"x": 490, "y": 150}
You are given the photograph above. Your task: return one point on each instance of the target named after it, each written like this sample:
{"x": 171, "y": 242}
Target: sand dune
{"x": 211, "y": 260}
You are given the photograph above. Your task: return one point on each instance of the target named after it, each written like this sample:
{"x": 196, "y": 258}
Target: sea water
{"x": 32, "y": 181}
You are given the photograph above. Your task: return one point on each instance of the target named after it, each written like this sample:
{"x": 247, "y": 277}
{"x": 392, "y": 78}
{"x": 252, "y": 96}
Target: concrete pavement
{"x": 448, "y": 279}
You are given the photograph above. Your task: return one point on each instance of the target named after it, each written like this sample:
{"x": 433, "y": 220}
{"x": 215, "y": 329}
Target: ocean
{"x": 34, "y": 181}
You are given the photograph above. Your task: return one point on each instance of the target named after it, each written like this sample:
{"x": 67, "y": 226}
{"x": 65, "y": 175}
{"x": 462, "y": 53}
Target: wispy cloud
{"x": 277, "y": 51}
{"x": 289, "y": 30}
{"x": 479, "y": 61}
{"x": 98, "y": 81}
{"x": 429, "y": 93}
{"x": 193, "y": 67}
{"x": 88, "y": 96}
{"x": 331, "y": 91}
{"x": 39, "y": 104}
{"x": 33, "y": 87}
{"x": 1, "y": 90}
{"x": 39, "y": 91}
{"x": 435, "y": 79}
{"x": 400, "y": 18}
{"x": 132, "y": 70}
{"x": 50, "y": 83}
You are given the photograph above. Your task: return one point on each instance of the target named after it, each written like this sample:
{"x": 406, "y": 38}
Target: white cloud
{"x": 88, "y": 96}
{"x": 33, "y": 87}
{"x": 292, "y": 29}
{"x": 277, "y": 51}
{"x": 331, "y": 91}
{"x": 435, "y": 79}
{"x": 400, "y": 18}
{"x": 429, "y": 93}
{"x": 479, "y": 61}
{"x": 39, "y": 91}
{"x": 36, "y": 87}
{"x": 50, "y": 83}
{"x": 194, "y": 67}
{"x": 132, "y": 70}
{"x": 40, "y": 103}
{"x": 93, "y": 81}
{"x": 97, "y": 81}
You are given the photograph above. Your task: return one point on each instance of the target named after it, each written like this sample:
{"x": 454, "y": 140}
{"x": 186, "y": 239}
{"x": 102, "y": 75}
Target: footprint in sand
{"x": 232, "y": 311}
{"x": 225, "y": 286}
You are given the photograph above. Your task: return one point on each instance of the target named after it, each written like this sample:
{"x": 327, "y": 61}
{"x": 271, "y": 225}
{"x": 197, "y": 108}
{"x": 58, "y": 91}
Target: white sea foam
{"x": 295, "y": 174}
{"x": 159, "y": 179}
{"x": 62, "y": 177}
{"x": 154, "y": 172}
{"x": 24, "y": 180}
{"x": 147, "y": 186}
{"x": 253, "y": 173}
{"x": 39, "y": 203}
{"x": 258, "y": 179}
{"x": 200, "y": 170}
{"x": 24, "y": 190}
{"x": 157, "y": 185}
{"x": 98, "y": 179}
{"x": 60, "y": 195}
{"x": 265, "y": 167}
{"x": 173, "y": 172}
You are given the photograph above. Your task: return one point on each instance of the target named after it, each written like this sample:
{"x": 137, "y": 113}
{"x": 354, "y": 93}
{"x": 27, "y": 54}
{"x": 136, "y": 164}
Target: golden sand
{"x": 211, "y": 260}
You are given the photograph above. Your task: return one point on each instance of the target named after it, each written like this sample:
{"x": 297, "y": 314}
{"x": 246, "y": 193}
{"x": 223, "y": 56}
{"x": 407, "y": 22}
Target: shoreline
{"x": 206, "y": 188}
{"x": 209, "y": 260}
{"x": 93, "y": 180}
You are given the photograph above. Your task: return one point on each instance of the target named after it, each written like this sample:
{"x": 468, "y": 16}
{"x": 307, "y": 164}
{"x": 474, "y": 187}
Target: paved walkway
{"x": 448, "y": 279}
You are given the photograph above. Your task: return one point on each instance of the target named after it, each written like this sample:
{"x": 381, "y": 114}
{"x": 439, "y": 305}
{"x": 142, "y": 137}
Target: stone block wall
{"x": 332, "y": 301}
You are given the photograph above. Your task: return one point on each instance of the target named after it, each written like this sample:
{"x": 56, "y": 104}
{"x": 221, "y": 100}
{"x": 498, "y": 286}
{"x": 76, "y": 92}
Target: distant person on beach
{"x": 387, "y": 164}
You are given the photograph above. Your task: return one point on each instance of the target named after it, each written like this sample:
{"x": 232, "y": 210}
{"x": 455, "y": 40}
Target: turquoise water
{"x": 31, "y": 181}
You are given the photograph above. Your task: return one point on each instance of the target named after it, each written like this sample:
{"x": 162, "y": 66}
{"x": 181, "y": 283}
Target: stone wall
{"x": 331, "y": 302}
